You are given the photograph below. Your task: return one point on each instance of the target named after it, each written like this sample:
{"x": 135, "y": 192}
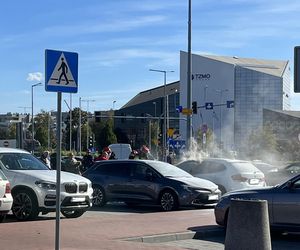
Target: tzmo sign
{"x": 201, "y": 76}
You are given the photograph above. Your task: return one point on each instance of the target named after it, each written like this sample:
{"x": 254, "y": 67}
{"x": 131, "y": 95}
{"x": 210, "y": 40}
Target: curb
{"x": 200, "y": 234}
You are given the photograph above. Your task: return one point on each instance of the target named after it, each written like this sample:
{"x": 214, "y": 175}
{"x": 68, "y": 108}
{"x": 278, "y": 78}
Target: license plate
{"x": 77, "y": 199}
{"x": 213, "y": 197}
{"x": 253, "y": 181}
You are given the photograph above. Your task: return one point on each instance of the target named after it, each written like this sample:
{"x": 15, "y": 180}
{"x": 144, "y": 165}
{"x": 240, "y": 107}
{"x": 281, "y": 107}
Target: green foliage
{"x": 262, "y": 143}
{"x": 104, "y": 134}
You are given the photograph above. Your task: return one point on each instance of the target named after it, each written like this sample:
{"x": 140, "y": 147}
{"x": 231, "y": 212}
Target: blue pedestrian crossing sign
{"x": 209, "y": 105}
{"x": 61, "y": 71}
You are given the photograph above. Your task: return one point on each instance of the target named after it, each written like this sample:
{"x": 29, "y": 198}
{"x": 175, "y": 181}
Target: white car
{"x": 6, "y": 199}
{"x": 228, "y": 174}
{"x": 33, "y": 187}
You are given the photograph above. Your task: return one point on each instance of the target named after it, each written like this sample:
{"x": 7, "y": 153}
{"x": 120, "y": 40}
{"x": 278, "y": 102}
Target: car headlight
{"x": 196, "y": 189}
{"x": 46, "y": 185}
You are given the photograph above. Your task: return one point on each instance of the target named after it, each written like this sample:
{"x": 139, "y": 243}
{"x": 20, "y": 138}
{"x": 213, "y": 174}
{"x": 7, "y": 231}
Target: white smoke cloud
{"x": 35, "y": 76}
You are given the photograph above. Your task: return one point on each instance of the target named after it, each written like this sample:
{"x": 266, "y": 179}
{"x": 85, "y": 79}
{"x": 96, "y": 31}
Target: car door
{"x": 143, "y": 183}
{"x": 286, "y": 205}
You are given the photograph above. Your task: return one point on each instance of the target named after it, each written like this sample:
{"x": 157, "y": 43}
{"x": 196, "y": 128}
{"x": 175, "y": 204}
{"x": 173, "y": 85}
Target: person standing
{"x": 72, "y": 165}
{"x": 45, "y": 158}
{"x": 87, "y": 160}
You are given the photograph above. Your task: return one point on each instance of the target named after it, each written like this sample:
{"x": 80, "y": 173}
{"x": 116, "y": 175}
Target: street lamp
{"x": 114, "y": 105}
{"x": 154, "y": 103}
{"x": 70, "y": 110}
{"x": 87, "y": 126}
{"x": 221, "y": 91}
{"x": 165, "y": 110}
{"x": 32, "y": 118}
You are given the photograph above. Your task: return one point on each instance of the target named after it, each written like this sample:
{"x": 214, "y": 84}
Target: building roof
{"x": 152, "y": 94}
{"x": 271, "y": 67}
{"x": 295, "y": 114}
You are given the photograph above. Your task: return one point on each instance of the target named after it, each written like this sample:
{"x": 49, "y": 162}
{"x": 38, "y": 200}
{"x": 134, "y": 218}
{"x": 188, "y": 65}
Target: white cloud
{"x": 35, "y": 76}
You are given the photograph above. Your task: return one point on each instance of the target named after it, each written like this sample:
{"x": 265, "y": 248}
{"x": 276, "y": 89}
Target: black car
{"x": 149, "y": 182}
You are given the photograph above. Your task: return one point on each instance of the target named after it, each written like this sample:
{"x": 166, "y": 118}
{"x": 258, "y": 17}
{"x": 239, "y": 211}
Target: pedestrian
{"x": 45, "y": 158}
{"x": 87, "y": 161}
{"x": 112, "y": 156}
{"x": 72, "y": 165}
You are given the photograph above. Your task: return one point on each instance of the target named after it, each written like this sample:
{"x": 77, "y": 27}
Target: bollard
{"x": 248, "y": 225}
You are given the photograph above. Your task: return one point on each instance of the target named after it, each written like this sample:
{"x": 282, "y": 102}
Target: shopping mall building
{"x": 231, "y": 93}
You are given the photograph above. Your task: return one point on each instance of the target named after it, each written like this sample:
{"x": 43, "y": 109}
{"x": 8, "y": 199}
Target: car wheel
{"x": 98, "y": 199}
{"x": 168, "y": 201}
{"x": 73, "y": 213}
{"x": 25, "y": 205}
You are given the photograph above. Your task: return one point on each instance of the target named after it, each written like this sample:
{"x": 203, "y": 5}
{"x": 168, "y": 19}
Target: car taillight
{"x": 7, "y": 188}
{"x": 238, "y": 177}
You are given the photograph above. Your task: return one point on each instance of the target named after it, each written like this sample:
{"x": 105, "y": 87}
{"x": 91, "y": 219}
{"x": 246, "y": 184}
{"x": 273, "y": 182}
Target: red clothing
{"x": 101, "y": 158}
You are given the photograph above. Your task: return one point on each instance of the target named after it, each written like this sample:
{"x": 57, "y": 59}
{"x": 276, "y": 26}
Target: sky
{"x": 118, "y": 41}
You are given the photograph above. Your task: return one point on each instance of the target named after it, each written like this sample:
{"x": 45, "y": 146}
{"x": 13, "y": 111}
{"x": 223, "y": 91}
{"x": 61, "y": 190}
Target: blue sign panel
{"x": 209, "y": 105}
{"x": 179, "y": 109}
{"x": 230, "y": 104}
{"x": 176, "y": 144}
{"x": 61, "y": 71}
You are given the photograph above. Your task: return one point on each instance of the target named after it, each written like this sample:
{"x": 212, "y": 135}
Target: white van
{"x": 121, "y": 150}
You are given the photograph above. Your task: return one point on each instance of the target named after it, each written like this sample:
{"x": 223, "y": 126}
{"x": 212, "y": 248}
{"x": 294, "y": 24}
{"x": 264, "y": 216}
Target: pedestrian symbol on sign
{"x": 64, "y": 69}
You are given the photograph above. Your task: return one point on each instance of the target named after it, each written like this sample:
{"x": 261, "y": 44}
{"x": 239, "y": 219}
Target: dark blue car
{"x": 149, "y": 182}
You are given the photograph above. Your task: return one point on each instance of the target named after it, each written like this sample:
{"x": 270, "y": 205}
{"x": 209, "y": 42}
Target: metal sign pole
{"x": 58, "y": 172}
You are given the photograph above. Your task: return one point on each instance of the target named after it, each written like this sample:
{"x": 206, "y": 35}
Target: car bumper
{"x": 196, "y": 198}
{"x": 69, "y": 201}
{"x": 5, "y": 204}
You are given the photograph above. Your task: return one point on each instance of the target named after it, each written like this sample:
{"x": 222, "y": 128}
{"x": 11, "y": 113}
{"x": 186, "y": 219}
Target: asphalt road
{"x": 110, "y": 227}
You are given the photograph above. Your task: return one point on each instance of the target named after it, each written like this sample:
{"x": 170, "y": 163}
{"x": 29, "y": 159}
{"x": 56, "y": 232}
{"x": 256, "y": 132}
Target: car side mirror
{"x": 289, "y": 185}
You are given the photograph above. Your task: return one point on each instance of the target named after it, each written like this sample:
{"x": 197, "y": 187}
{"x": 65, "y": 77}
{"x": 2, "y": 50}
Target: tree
{"x": 262, "y": 144}
{"x": 104, "y": 134}
{"x": 75, "y": 126}
{"x": 43, "y": 129}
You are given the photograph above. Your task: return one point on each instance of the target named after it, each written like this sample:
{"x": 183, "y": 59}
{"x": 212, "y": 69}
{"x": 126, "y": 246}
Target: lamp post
{"x": 165, "y": 109}
{"x": 114, "y": 105}
{"x": 87, "y": 121}
{"x": 79, "y": 128}
{"x": 70, "y": 110}
{"x": 221, "y": 91}
{"x": 32, "y": 118}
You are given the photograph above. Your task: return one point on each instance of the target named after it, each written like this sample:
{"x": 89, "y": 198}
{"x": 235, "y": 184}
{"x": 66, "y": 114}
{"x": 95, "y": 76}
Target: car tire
{"x": 73, "y": 213}
{"x": 99, "y": 199}
{"x": 25, "y": 205}
{"x": 222, "y": 189}
{"x": 168, "y": 200}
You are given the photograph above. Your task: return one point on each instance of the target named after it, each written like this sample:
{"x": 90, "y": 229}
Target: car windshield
{"x": 168, "y": 170}
{"x": 21, "y": 161}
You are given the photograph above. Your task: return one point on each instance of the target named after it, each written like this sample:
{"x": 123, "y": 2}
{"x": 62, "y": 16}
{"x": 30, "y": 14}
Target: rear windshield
{"x": 244, "y": 166}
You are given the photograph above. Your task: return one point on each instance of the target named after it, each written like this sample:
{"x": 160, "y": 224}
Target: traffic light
{"x": 91, "y": 142}
{"x": 194, "y": 107}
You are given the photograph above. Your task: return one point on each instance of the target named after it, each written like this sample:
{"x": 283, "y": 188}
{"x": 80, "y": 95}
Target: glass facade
{"x": 255, "y": 91}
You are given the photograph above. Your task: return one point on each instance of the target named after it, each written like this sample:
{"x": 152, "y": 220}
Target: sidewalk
{"x": 104, "y": 231}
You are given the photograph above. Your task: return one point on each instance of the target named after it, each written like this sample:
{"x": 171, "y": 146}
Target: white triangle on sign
{"x": 62, "y": 75}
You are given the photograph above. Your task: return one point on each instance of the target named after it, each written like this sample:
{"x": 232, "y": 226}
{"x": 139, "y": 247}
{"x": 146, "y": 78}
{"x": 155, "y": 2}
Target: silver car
{"x": 283, "y": 204}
